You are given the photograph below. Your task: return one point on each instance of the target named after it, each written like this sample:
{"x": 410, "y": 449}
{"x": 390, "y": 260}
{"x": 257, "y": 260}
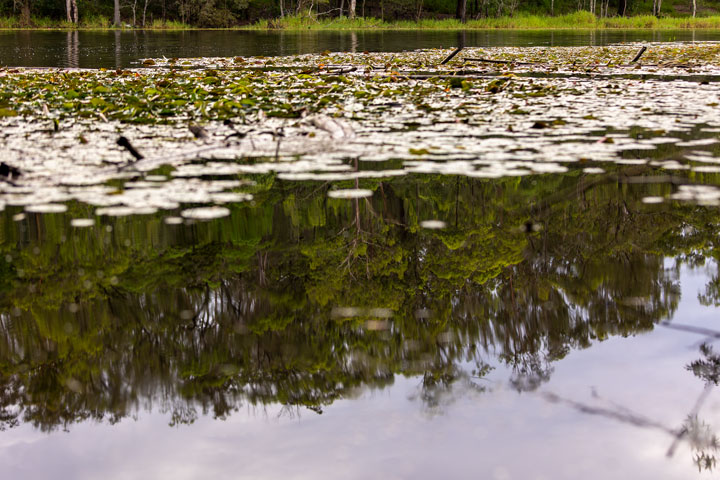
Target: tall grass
{"x": 9, "y": 22}
{"x": 95, "y": 21}
{"x": 573, "y": 21}
{"x": 168, "y": 25}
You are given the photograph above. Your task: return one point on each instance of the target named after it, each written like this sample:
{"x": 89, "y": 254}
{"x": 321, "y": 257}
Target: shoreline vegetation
{"x": 574, "y": 21}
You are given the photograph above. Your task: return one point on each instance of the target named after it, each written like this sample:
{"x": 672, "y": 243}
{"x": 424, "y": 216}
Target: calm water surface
{"x": 124, "y": 49}
{"x": 552, "y": 329}
{"x": 548, "y": 326}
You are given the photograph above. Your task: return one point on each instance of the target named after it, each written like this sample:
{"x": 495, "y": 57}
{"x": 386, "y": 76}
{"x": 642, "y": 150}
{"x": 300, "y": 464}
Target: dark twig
{"x": 639, "y": 54}
{"x": 450, "y": 57}
{"x": 125, "y": 143}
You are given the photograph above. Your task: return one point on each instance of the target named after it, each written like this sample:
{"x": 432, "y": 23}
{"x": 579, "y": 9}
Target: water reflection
{"x": 303, "y": 300}
{"x": 73, "y": 49}
{"x": 97, "y": 321}
{"x": 118, "y": 49}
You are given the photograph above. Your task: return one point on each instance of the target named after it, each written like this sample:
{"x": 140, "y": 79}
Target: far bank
{"x": 574, "y": 21}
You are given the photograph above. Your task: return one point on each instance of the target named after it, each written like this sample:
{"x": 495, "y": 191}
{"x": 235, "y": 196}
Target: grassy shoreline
{"x": 573, "y": 21}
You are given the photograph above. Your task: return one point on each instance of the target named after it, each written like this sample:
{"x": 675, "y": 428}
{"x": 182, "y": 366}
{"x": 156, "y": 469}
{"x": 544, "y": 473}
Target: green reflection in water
{"x": 302, "y": 299}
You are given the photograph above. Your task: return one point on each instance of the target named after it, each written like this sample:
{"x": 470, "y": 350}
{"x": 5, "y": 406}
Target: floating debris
{"x": 205, "y": 213}
{"x": 125, "y": 211}
{"x": 156, "y": 178}
{"x": 480, "y": 124}
{"x": 230, "y": 197}
{"x": 701, "y": 194}
{"x": 82, "y": 222}
{"x": 173, "y": 220}
{"x": 433, "y": 224}
{"x": 350, "y": 193}
{"x": 46, "y": 208}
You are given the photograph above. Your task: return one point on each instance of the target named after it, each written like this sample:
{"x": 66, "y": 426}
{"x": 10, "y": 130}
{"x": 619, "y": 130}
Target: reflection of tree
{"x": 699, "y": 436}
{"x": 703, "y": 442}
{"x": 204, "y": 318}
{"x": 439, "y": 388}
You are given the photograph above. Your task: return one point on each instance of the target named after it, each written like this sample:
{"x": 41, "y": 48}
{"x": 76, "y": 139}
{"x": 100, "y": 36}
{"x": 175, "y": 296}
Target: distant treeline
{"x": 289, "y": 13}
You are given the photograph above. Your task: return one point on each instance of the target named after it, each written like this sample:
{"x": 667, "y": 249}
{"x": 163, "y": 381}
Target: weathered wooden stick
{"x": 639, "y": 54}
{"x": 488, "y": 60}
{"x": 452, "y": 55}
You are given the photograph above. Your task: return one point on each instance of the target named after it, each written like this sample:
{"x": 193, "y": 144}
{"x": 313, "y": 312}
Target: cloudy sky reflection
{"x": 499, "y": 434}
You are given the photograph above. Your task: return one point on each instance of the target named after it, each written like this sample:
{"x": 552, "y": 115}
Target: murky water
{"x": 88, "y": 49}
{"x": 405, "y": 276}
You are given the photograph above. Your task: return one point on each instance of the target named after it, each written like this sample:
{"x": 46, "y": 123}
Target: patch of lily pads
{"x": 487, "y": 113}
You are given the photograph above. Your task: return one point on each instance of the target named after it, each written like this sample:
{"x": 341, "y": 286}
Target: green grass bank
{"x": 573, "y": 21}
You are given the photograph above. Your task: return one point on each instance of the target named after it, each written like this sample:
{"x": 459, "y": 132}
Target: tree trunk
{"x": 351, "y": 9}
{"x": 342, "y": 7}
{"x": 68, "y": 9}
{"x": 116, "y": 13}
{"x": 622, "y": 6}
{"x": 552, "y": 8}
{"x": 144, "y": 12}
{"x": 75, "y": 15}
{"x": 694, "y": 7}
{"x": 461, "y": 10}
{"x": 25, "y": 13}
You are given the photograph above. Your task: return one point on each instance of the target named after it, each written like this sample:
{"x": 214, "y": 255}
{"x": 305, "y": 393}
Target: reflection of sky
{"x": 386, "y": 434}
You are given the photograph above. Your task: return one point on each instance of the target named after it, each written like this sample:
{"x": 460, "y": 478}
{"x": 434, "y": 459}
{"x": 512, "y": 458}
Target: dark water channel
{"x": 117, "y": 49}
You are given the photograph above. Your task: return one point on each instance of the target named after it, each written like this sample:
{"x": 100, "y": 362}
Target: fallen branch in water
{"x": 632, "y": 64}
{"x": 511, "y": 62}
{"x": 639, "y": 54}
{"x": 452, "y": 55}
